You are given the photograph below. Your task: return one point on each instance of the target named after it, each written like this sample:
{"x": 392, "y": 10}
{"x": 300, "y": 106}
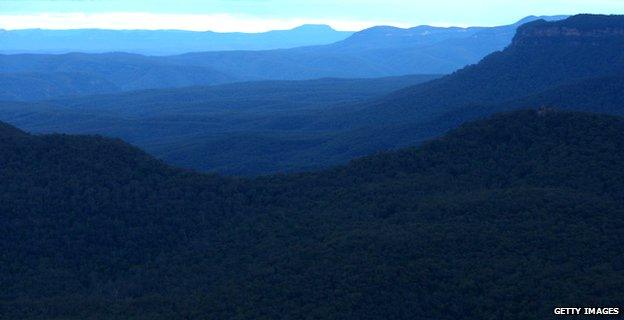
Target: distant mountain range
{"x": 375, "y": 52}
{"x": 570, "y": 64}
{"x": 115, "y": 71}
{"x": 543, "y": 55}
{"x": 161, "y": 42}
{"x": 582, "y": 53}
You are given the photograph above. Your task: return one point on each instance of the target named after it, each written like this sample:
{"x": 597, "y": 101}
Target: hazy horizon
{"x": 304, "y": 25}
{"x": 264, "y": 15}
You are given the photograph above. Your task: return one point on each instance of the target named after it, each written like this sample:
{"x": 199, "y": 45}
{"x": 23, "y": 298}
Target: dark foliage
{"x": 546, "y": 57}
{"x": 240, "y": 128}
{"x": 543, "y": 55}
{"x": 40, "y": 86}
{"x": 502, "y": 218}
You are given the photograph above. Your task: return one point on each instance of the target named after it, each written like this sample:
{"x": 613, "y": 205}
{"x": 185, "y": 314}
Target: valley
{"x": 394, "y": 173}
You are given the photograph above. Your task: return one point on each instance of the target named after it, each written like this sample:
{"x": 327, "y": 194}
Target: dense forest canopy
{"x": 505, "y": 217}
{"x": 239, "y": 128}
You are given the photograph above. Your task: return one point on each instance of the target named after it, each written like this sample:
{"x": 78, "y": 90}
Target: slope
{"x": 376, "y": 52}
{"x": 570, "y": 64}
{"x": 40, "y": 86}
{"x": 543, "y": 56}
{"x": 185, "y": 126}
{"x": 126, "y": 71}
{"x": 505, "y": 217}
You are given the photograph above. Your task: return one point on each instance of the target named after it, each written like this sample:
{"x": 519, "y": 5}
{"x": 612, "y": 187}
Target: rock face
{"x": 586, "y": 51}
{"x": 542, "y": 55}
{"x": 586, "y": 29}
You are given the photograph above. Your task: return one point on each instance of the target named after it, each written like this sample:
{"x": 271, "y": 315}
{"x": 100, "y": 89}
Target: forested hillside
{"x": 600, "y": 95}
{"x": 569, "y": 64}
{"x": 544, "y": 57}
{"x": 256, "y": 96}
{"x": 125, "y": 71}
{"x": 39, "y": 86}
{"x": 268, "y": 127}
{"x": 501, "y": 218}
{"x": 198, "y": 127}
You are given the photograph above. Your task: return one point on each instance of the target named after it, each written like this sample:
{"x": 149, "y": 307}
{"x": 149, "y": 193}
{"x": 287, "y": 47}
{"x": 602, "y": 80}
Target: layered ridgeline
{"x": 21, "y": 86}
{"x": 119, "y": 72}
{"x": 375, "y": 52}
{"x": 287, "y": 126}
{"x": 161, "y": 42}
{"x": 575, "y": 64}
{"x": 543, "y": 56}
{"x": 240, "y": 128}
{"x": 503, "y": 218}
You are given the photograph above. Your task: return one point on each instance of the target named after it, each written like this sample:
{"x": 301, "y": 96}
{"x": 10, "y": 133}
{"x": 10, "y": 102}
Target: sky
{"x": 264, "y": 15}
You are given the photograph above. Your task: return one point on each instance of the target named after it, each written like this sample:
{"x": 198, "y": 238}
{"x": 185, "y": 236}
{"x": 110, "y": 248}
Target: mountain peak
{"x": 378, "y": 31}
{"x": 532, "y": 18}
{"x": 314, "y": 27}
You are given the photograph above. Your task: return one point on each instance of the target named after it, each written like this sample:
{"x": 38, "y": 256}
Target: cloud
{"x": 154, "y": 21}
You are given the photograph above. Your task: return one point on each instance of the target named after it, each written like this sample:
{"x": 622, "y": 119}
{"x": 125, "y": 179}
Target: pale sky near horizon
{"x": 263, "y": 15}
